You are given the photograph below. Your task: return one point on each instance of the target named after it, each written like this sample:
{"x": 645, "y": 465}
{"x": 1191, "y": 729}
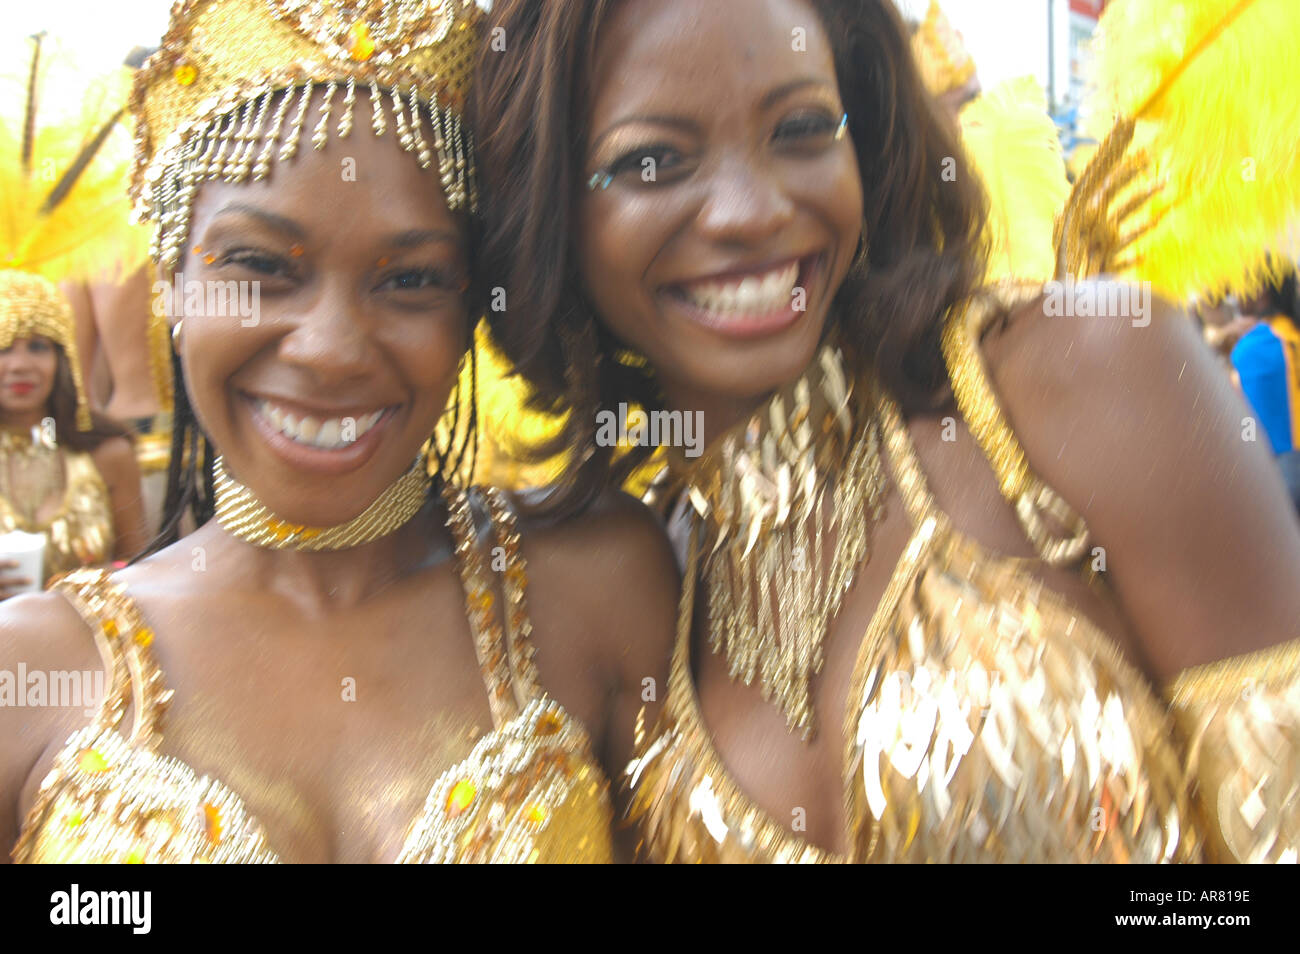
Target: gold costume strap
{"x": 907, "y": 468}
{"x": 504, "y": 655}
{"x": 1059, "y": 535}
{"x": 519, "y": 628}
{"x": 1225, "y": 680}
{"x": 124, "y": 641}
{"x": 1241, "y": 719}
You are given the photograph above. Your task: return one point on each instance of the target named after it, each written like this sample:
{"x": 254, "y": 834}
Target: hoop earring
{"x": 176, "y": 335}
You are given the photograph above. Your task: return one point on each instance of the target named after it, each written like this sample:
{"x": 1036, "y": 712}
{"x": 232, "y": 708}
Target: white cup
{"x": 28, "y": 551}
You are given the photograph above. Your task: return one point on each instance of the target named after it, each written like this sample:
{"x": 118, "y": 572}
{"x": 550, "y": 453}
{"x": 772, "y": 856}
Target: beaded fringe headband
{"x": 229, "y": 89}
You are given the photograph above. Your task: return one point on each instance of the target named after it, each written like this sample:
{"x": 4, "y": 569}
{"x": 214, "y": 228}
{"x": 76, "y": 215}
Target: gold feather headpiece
{"x": 941, "y": 54}
{"x": 229, "y": 88}
{"x": 64, "y": 214}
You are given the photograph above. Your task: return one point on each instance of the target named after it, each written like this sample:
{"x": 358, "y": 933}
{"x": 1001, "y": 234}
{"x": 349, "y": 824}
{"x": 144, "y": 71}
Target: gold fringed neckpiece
{"x": 243, "y": 515}
{"x": 788, "y": 500}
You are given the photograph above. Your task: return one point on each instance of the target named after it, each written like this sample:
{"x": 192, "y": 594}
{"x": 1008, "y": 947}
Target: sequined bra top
{"x": 529, "y": 791}
{"x": 81, "y": 532}
{"x": 987, "y": 721}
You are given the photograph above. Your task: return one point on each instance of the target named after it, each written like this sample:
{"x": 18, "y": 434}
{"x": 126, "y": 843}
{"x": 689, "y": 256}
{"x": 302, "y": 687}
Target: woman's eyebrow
{"x": 416, "y": 237}
{"x": 685, "y": 125}
{"x": 785, "y": 89}
{"x": 277, "y": 222}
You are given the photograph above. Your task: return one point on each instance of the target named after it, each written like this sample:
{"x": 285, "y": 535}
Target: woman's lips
{"x": 348, "y": 441}
{"x": 748, "y": 305}
{"x": 22, "y": 388}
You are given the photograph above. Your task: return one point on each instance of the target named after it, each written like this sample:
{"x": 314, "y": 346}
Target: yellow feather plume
{"x": 1011, "y": 139}
{"x": 1212, "y": 87}
{"x": 64, "y": 213}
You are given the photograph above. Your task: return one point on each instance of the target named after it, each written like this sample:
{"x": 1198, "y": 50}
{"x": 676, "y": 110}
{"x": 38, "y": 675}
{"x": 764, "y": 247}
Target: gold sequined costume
{"x": 528, "y": 791}
{"x": 987, "y": 720}
{"x": 226, "y": 95}
{"x": 80, "y": 532}
{"x": 66, "y": 218}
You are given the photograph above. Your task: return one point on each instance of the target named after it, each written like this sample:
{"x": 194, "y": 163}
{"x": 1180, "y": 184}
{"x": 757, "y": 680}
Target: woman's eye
{"x": 806, "y": 127}
{"x": 260, "y": 262}
{"x": 420, "y": 279}
{"x": 647, "y": 162}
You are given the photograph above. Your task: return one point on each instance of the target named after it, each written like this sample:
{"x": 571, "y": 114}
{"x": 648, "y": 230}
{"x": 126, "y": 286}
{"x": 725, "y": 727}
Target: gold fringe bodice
{"x": 528, "y": 791}
{"x": 988, "y": 721}
{"x": 81, "y": 532}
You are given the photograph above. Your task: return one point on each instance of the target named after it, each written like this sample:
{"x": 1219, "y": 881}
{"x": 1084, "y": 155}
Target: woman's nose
{"x": 331, "y": 341}
{"x": 746, "y": 203}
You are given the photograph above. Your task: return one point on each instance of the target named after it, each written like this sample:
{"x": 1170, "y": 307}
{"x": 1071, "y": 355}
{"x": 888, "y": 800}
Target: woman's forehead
{"x": 686, "y": 50}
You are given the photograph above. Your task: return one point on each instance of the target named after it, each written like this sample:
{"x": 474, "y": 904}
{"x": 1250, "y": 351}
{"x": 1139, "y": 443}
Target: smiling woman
{"x": 929, "y": 629}
{"x": 339, "y": 713}
{"x": 70, "y": 491}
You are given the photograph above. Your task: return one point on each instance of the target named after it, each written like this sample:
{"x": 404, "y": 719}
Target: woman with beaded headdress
{"x": 67, "y": 474}
{"x": 973, "y": 582}
{"x": 306, "y": 670}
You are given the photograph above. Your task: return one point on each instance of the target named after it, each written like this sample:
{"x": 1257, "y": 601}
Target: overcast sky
{"x": 1006, "y": 37}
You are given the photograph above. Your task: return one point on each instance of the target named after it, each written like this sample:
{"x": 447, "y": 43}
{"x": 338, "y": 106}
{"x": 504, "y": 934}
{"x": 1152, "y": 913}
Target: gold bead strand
{"x": 263, "y": 165}
{"x": 459, "y": 143}
{"x": 377, "y": 110}
{"x": 399, "y": 121}
{"x": 345, "y": 120}
{"x": 421, "y": 149}
{"x": 241, "y": 131}
{"x": 218, "y": 132}
{"x": 290, "y": 147}
{"x": 245, "y": 163}
{"x": 321, "y": 134}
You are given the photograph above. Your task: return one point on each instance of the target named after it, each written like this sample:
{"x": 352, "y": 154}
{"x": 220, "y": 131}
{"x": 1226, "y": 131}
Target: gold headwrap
{"x": 65, "y": 215}
{"x": 945, "y": 63}
{"x": 205, "y": 103}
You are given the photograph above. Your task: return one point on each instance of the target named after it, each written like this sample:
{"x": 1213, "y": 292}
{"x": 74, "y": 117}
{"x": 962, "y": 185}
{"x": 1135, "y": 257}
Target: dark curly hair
{"x": 529, "y": 109}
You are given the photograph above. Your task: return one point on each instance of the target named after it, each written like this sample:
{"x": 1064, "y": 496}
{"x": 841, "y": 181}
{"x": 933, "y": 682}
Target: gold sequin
{"x": 81, "y": 531}
{"x": 195, "y": 124}
{"x": 986, "y": 722}
{"x": 529, "y": 791}
{"x": 462, "y": 794}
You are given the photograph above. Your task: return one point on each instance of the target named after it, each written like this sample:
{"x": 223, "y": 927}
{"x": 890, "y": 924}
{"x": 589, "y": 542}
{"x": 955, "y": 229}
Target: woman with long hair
{"x": 67, "y": 473}
{"x": 962, "y": 579}
{"x": 78, "y": 486}
{"x": 307, "y": 669}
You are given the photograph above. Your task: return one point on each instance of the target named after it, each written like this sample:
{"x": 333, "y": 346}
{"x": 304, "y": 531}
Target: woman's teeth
{"x": 752, "y": 295}
{"x": 329, "y": 434}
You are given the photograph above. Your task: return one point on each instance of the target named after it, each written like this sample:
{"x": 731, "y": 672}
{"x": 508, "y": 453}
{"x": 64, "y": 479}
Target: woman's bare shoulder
{"x": 45, "y": 648}
{"x": 610, "y": 573}
{"x": 1125, "y": 413}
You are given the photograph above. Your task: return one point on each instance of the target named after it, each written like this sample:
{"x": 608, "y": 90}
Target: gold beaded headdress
{"x": 945, "y": 63}
{"x": 65, "y": 215}
{"x": 229, "y": 89}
